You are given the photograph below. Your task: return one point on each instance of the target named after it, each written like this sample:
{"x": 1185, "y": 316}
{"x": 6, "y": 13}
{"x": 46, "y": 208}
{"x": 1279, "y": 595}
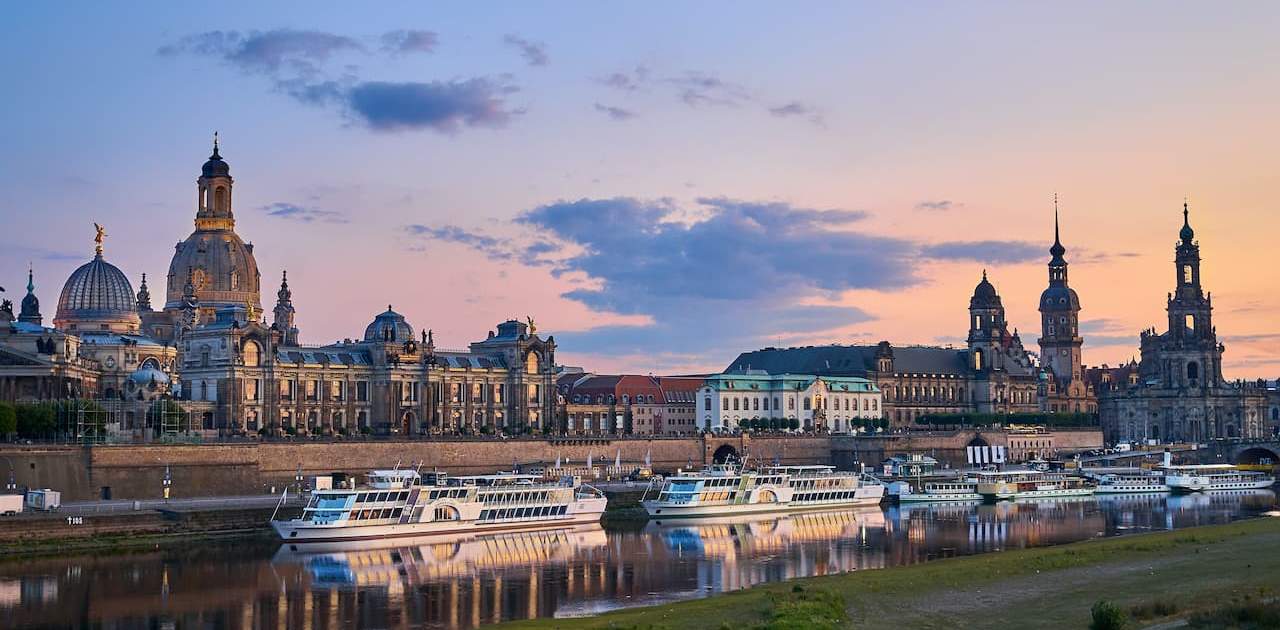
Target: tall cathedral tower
{"x": 1060, "y": 341}
{"x": 1191, "y": 330}
{"x": 988, "y": 331}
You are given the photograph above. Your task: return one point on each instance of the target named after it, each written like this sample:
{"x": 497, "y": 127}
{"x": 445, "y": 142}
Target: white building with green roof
{"x": 835, "y": 403}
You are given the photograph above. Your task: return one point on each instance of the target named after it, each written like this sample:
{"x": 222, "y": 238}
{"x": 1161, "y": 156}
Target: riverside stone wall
{"x": 137, "y": 471}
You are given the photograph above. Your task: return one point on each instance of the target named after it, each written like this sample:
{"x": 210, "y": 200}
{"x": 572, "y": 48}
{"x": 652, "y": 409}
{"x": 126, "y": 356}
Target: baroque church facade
{"x": 210, "y": 350}
{"x": 993, "y": 373}
{"x": 1176, "y": 392}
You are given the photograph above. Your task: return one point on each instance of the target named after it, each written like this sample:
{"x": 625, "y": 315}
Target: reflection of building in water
{"x": 729, "y": 549}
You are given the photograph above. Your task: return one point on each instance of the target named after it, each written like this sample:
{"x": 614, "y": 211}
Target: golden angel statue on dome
{"x": 97, "y": 238}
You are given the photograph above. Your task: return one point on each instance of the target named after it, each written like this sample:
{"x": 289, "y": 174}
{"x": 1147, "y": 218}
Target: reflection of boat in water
{"x": 728, "y": 489}
{"x": 728, "y": 535}
{"x": 1227, "y": 499}
{"x": 399, "y": 503}
{"x": 429, "y": 558}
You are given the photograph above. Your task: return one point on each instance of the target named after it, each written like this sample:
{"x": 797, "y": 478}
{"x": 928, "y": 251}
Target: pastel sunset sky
{"x": 663, "y": 185}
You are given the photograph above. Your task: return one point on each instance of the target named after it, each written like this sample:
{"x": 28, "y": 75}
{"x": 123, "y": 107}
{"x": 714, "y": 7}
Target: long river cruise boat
{"x": 1127, "y": 480}
{"x": 399, "y": 503}
{"x": 728, "y": 489}
{"x": 994, "y": 485}
{"x": 1210, "y": 477}
{"x": 949, "y": 489}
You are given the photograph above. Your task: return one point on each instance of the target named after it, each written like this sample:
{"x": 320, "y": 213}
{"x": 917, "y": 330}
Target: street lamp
{"x": 167, "y": 482}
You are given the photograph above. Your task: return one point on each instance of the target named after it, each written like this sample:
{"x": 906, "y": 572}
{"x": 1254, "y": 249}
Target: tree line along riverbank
{"x": 1212, "y": 577}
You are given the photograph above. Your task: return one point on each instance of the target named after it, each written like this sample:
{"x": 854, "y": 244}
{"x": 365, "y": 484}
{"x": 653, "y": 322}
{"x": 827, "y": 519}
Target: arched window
{"x": 220, "y": 199}
{"x": 252, "y": 354}
{"x": 1193, "y": 371}
{"x": 531, "y": 363}
{"x": 977, "y": 359}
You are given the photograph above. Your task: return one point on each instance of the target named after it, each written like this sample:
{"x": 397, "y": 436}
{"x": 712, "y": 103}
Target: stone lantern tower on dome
{"x": 220, "y": 266}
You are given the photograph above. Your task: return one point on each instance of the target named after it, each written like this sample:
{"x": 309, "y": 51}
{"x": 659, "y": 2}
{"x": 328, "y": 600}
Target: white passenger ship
{"x": 1029, "y": 484}
{"x": 727, "y": 489}
{"x": 1127, "y": 481}
{"x": 952, "y": 489}
{"x": 403, "y": 503}
{"x": 1210, "y": 477}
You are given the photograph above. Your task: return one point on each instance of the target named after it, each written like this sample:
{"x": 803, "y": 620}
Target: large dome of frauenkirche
{"x": 222, "y": 267}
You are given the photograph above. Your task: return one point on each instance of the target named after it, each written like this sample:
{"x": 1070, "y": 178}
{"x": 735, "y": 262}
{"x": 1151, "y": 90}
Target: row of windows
{"x": 477, "y": 393}
{"x": 923, "y": 393}
{"x": 516, "y": 497}
{"x": 453, "y": 493}
{"x": 754, "y": 404}
{"x": 372, "y": 515}
{"x": 823, "y": 496}
{"x": 523, "y": 512}
{"x": 379, "y": 497}
{"x": 311, "y": 388}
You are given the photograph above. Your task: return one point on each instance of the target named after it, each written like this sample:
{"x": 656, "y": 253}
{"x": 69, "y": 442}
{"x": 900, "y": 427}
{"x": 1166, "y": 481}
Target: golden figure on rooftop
{"x": 97, "y": 239}
{"x": 533, "y": 328}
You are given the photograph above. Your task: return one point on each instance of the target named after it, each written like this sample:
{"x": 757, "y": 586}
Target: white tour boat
{"x": 935, "y": 491}
{"x": 1212, "y": 477}
{"x": 1029, "y": 484}
{"x": 403, "y": 503}
{"x": 727, "y": 489}
{"x": 1127, "y": 480}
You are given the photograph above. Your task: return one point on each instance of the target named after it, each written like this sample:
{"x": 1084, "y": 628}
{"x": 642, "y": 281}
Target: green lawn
{"x": 1153, "y": 577}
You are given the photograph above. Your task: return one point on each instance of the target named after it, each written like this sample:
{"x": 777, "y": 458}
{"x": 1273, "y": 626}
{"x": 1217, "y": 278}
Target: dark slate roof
{"x": 850, "y": 360}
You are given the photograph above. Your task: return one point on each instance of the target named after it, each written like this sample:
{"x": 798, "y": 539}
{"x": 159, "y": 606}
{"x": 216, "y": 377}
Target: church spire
{"x": 30, "y": 312}
{"x": 144, "y": 296}
{"x": 1187, "y": 234}
{"x": 284, "y": 313}
{"x": 1057, "y": 250}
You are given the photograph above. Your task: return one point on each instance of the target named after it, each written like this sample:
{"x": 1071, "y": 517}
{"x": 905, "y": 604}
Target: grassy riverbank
{"x": 1151, "y": 577}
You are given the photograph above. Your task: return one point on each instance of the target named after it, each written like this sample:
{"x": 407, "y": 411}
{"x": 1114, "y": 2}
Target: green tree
{"x": 794, "y": 424}
{"x": 744, "y": 424}
{"x": 36, "y": 421}
{"x": 8, "y": 419}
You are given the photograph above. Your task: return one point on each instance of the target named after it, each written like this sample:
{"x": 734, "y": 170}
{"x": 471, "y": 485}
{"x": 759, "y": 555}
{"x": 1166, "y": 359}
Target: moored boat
{"x": 728, "y": 489}
{"x": 1128, "y": 480}
{"x": 1213, "y": 477}
{"x": 995, "y": 485}
{"x": 404, "y": 503}
{"x": 935, "y": 491}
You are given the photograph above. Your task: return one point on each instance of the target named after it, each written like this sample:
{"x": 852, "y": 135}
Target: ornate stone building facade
{"x": 1177, "y": 392}
{"x": 234, "y": 374}
{"x": 994, "y": 374}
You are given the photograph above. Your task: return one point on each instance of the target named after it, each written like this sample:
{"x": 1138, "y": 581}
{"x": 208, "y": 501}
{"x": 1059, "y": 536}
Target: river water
{"x": 479, "y": 580}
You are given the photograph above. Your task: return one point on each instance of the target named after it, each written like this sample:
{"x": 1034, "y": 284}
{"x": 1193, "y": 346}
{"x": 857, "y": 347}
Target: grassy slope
{"x": 1050, "y": 587}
